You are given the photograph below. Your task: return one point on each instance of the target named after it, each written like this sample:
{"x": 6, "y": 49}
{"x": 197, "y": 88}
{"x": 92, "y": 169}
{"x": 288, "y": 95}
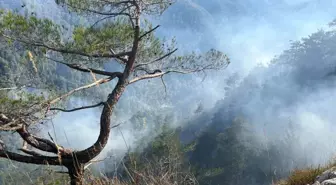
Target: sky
{"x": 250, "y": 32}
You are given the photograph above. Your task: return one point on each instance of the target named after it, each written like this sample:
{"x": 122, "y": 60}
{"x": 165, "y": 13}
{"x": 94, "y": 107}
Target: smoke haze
{"x": 268, "y": 95}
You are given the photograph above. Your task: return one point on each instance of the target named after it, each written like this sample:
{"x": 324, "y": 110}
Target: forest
{"x": 151, "y": 92}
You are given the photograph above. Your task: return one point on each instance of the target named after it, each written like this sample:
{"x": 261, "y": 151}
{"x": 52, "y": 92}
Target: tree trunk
{"x": 76, "y": 174}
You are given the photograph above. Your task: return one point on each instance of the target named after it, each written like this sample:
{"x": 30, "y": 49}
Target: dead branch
{"x": 122, "y": 59}
{"x": 148, "y": 32}
{"x": 36, "y": 142}
{"x": 160, "y": 74}
{"x": 121, "y": 13}
{"x": 11, "y": 128}
{"x": 98, "y": 82}
{"x": 114, "y": 126}
{"x": 30, "y": 152}
{"x": 156, "y": 60}
{"x": 9, "y": 88}
{"x": 148, "y": 76}
{"x": 147, "y": 71}
{"x": 79, "y": 108}
{"x": 88, "y": 70}
{"x": 7, "y": 124}
{"x": 164, "y": 84}
{"x": 109, "y": 14}
{"x": 30, "y": 159}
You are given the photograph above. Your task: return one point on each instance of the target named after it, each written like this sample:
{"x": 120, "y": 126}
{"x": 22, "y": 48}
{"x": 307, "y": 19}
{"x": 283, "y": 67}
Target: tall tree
{"x": 121, "y": 35}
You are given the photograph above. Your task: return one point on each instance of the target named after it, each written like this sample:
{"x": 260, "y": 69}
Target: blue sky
{"x": 249, "y": 31}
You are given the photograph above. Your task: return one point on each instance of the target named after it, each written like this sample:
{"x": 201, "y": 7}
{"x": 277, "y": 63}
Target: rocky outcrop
{"x": 327, "y": 178}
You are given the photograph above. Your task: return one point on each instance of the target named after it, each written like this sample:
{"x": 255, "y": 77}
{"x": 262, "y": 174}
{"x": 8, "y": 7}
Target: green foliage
{"x": 23, "y": 99}
{"x": 22, "y": 104}
{"x": 226, "y": 153}
{"x": 152, "y": 7}
{"x": 117, "y": 35}
{"x": 31, "y": 29}
{"x": 163, "y": 157}
{"x": 190, "y": 147}
{"x": 164, "y": 145}
{"x": 212, "y": 172}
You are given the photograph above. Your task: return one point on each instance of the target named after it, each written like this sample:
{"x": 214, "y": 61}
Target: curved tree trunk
{"x": 86, "y": 155}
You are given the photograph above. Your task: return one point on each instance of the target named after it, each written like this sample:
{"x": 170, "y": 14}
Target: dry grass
{"x": 167, "y": 171}
{"x": 163, "y": 172}
{"x": 305, "y": 176}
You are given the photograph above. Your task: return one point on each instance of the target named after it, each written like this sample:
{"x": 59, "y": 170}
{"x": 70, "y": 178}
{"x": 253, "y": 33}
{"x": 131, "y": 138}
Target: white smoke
{"x": 251, "y": 33}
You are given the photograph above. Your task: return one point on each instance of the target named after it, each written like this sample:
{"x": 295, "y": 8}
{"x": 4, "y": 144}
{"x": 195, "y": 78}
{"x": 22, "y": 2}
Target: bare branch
{"x": 156, "y": 60}
{"x": 88, "y": 70}
{"x": 101, "y": 81}
{"x": 30, "y": 159}
{"x": 148, "y": 76}
{"x": 147, "y": 70}
{"x": 114, "y": 126}
{"x": 148, "y": 32}
{"x": 36, "y": 142}
{"x": 118, "y": 3}
{"x": 4, "y": 119}
{"x": 160, "y": 74}
{"x": 9, "y": 88}
{"x": 121, "y": 13}
{"x": 122, "y": 59}
{"x": 79, "y": 108}
{"x": 110, "y": 14}
{"x": 87, "y": 165}
{"x": 7, "y": 124}
{"x": 99, "y": 20}
{"x": 10, "y": 128}
{"x": 164, "y": 84}
{"x": 30, "y": 152}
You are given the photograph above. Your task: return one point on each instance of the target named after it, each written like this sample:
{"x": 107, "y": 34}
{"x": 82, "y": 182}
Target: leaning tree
{"x": 116, "y": 31}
